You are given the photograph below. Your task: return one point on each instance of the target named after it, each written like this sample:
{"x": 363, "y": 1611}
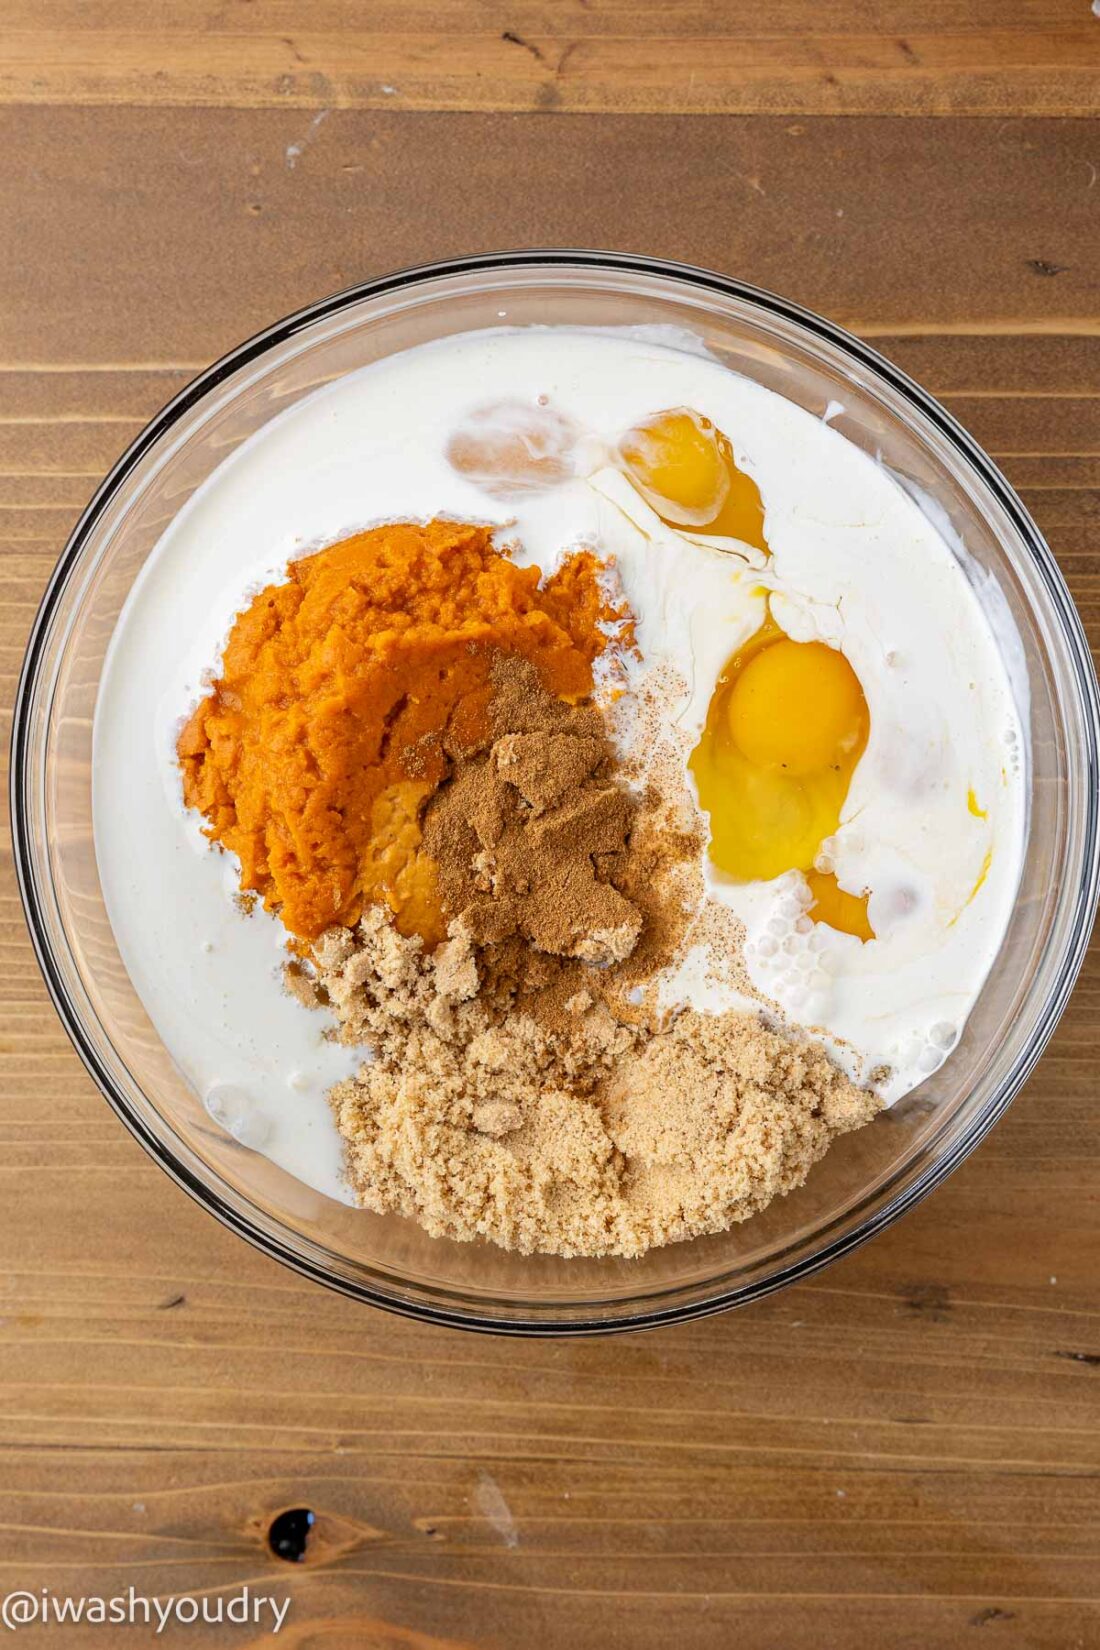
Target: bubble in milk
{"x": 237, "y": 1113}
{"x": 510, "y": 448}
{"x": 825, "y": 858}
{"x": 896, "y": 902}
{"x": 253, "y": 1130}
{"x": 796, "y": 886}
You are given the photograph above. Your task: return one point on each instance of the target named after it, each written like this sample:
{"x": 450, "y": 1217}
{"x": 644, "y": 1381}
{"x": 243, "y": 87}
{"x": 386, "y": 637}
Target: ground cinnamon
{"x": 529, "y": 832}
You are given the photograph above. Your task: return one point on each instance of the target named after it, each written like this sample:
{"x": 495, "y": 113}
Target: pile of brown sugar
{"x": 592, "y": 1139}
{"x": 524, "y": 1085}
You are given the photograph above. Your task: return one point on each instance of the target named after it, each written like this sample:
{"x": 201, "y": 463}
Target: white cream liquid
{"x": 854, "y": 562}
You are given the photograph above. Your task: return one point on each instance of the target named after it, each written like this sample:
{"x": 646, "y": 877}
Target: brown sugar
{"x": 606, "y": 1139}
{"x": 525, "y": 1087}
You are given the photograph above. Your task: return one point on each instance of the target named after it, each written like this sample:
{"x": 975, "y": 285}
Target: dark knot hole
{"x": 288, "y": 1534}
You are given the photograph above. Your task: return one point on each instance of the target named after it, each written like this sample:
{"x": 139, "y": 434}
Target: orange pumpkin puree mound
{"x": 313, "y": 754}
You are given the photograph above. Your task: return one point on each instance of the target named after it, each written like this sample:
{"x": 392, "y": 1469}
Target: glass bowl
{"x": 867, "y": 1179}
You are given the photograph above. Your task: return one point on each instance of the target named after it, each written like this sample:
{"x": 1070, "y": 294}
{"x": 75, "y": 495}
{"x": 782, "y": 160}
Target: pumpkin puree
{"x": 313, "y": 754}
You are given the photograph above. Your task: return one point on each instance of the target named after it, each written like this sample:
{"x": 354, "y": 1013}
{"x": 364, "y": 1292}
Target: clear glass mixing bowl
{"x": 868, "y": 1178}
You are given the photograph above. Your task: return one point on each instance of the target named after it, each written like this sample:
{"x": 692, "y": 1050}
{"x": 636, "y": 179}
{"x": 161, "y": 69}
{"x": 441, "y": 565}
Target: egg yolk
{"x": 796, "y": 707}
{"x": 684, "y": 469}
{"x": 835, "y": 907}
{"x": 787, "y": 724}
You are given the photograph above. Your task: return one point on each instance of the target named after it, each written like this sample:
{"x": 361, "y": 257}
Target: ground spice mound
{"x": 343, "y": 691}
{"x": 531, "y": 830}
{"x": 524, "y": 1086}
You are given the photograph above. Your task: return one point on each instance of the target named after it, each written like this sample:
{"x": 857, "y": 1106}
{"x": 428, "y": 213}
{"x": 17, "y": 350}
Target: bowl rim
{"x": 1078, "y": 657}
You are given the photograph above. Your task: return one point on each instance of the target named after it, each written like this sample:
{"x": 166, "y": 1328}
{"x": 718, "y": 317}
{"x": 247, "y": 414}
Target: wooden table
{"x": 904, "y": 1453}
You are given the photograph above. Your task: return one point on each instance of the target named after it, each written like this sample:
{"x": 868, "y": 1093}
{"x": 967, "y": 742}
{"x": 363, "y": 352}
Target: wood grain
{"x": 583, "y": 56}
{"x": 903, "y": 1453}
{"x": 891, "y": 227}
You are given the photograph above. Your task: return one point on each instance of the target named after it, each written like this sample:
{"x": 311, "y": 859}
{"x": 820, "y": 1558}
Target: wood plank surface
{"x": 905, "y": 1452}
{"x": 984, "y": 57}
